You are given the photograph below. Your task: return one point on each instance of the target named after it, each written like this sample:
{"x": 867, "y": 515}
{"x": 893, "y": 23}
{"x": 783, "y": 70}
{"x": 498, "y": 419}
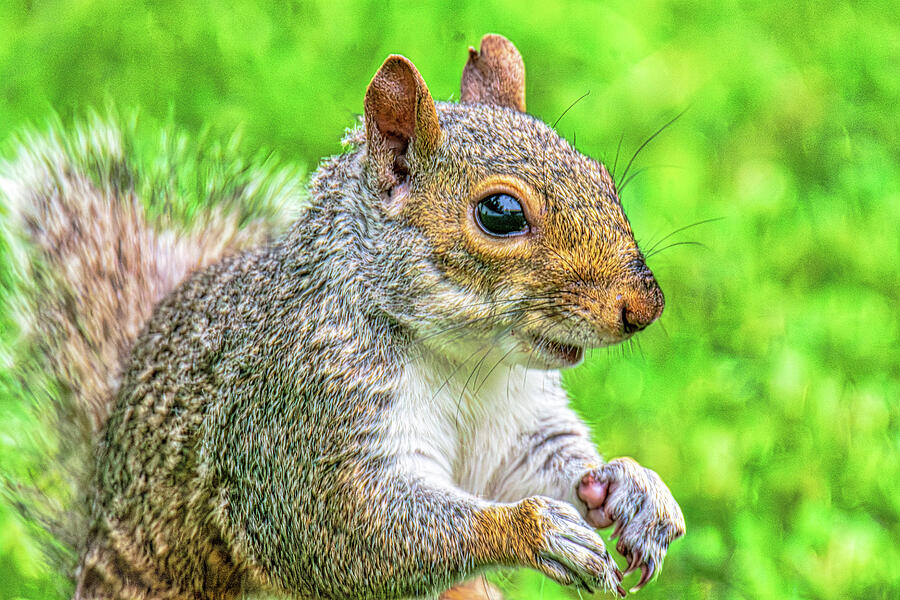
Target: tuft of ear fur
{"x": 399, "y": 114}
{"x": 496, "y": 75}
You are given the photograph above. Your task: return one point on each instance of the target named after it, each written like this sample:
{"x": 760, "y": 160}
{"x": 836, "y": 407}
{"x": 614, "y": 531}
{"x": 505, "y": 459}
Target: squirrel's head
{"x": 497, "y": 234}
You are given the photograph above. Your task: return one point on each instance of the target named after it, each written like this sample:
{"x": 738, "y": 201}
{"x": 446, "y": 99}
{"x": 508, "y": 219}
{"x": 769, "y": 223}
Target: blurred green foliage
{"x": 767, "y": 397}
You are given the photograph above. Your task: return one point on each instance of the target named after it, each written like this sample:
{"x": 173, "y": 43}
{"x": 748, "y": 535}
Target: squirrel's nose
{"x": 641, "y": 305}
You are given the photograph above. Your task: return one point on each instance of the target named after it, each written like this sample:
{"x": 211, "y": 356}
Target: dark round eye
{"x": 501, "y": 215}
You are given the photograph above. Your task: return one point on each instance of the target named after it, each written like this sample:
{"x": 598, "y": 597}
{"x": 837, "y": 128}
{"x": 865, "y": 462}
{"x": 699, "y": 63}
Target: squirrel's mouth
{"x": 557, "y": 353}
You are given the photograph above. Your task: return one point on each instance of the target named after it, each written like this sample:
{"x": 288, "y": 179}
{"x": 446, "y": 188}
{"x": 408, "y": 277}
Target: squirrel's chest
{"x": 456, "y": 425}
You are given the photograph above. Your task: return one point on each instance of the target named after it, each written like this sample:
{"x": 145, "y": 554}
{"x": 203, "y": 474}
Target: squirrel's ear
{"x": 496, "y": 75}
{"x": 399, "y": 113}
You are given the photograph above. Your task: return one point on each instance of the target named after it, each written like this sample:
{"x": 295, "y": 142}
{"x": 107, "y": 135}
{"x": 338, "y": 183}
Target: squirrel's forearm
{"x": 548, "y": 460}
{"x": 405, "y": 538}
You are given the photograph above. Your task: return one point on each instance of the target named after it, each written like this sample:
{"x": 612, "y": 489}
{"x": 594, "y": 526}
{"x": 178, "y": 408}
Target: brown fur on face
{"x": 579, "y": 259}
{"x": 575, "y": 280}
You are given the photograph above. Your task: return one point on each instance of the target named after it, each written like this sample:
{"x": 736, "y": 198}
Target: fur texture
{"x": 366, "y": 406}
{"x": 95, "y": 239}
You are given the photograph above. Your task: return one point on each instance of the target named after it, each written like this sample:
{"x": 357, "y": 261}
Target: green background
{"x": 767, "y": 396}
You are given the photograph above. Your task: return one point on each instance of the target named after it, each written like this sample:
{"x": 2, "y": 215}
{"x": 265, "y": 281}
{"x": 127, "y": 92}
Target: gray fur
{"x": 253, "y": 386}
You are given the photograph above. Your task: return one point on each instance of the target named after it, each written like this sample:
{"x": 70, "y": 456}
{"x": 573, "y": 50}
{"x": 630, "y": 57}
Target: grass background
{"x": 767, "y": 397}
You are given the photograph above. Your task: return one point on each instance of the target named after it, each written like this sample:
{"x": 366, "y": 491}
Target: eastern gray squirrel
{"x": 368, "y": 404}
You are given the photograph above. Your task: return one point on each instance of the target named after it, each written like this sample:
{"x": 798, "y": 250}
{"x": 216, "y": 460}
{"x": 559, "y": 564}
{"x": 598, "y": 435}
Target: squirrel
{"x": 366, "y": 403}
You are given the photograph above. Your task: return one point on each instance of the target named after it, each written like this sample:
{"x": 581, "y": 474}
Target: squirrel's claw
{"x": 634, "y": 560}
{"x": 618, "y": 529}
{"x": 646, "y": 574}
{"x": 570, "y": 551}
{"x": 645, "y": 514}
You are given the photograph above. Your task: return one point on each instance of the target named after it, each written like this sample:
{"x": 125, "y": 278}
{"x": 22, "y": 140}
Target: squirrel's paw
{"x": 646, "y": 516}
{"x": 567, "y": 549}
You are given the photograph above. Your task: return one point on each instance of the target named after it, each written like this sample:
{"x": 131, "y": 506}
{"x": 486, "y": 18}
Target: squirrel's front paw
{"x": 646, "y": 516}
{"x": 565, "y": 548}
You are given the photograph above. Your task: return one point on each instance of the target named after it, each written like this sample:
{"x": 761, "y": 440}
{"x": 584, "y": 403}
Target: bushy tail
{"x": 101, "y": 222}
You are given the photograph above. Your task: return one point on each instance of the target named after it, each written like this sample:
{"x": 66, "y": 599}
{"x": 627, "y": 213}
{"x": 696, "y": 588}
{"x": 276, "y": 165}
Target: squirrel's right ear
{"x": 400, "y": 116}
{"x": 496, "y": 75}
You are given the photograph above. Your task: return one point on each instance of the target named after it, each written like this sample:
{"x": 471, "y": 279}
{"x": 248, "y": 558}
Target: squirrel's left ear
{"x": 400, "y": 116}
{"x": 496, "y": 75}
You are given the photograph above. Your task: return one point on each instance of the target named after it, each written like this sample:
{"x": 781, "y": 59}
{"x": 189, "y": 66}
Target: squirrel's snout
{"x": 641, "y": 305}
{"x": 622, "y": 307}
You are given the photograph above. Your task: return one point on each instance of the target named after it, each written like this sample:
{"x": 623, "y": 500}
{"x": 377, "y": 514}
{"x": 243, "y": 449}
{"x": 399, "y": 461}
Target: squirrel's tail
{"x": 100, "y": 224}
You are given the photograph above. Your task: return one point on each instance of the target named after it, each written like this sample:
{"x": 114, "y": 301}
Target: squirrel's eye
{"x": 501, "y": 215}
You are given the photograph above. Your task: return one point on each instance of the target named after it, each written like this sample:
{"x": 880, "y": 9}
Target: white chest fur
{"x": 457, "y": 424}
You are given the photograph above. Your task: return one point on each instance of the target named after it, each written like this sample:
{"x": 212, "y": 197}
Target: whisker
{"x": 491, "y": 370}
{"x": 536, "y": 304}
{"x": 686, "y": 227}
{"x": 663, "y": 327}
{"x": 650, "y": 139}
{"x": 449, "y": 377}
{"x": 618, "y": 149}
{"x": 580, "y": 98}
{"x": 640, "y": 348}
{"x": 632, "y": 176}
{"x": 673, "y": 244}
{"x": 462, "y": 393}
{"x": 492, "y": 316}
